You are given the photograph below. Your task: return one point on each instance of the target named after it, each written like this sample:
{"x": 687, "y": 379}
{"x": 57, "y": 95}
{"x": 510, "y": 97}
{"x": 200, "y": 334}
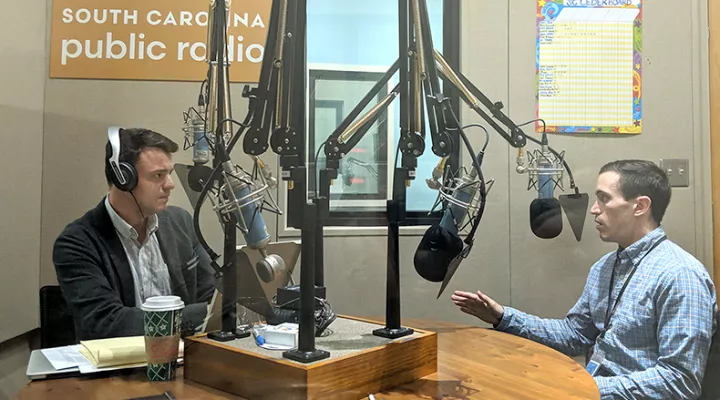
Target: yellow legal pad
{"x": 117, "y": 351}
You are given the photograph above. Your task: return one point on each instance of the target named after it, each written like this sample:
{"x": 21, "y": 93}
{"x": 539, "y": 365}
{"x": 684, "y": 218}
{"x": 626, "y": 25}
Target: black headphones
{"x": 124, "y": 175}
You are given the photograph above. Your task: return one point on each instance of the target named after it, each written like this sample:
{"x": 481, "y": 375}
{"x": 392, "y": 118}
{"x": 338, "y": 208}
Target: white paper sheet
{"x": 65, "y": 357}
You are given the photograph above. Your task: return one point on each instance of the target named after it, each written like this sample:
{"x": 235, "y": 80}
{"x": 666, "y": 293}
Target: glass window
{"x": 350, "y": 46}
{"x": 363, "y": 174}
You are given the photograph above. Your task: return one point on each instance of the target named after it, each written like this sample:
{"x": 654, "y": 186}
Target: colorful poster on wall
{"x": 152, "y": 40}
{"x": 589, "y": 66}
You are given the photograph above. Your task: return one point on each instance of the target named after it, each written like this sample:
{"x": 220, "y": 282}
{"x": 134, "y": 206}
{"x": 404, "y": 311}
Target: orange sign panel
{"x": 153, "y": 39}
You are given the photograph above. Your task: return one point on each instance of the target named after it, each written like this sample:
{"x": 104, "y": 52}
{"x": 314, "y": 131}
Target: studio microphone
{"x": 441, "y": 243}
{"x": 195, "y": 137}
{"x": 545, "y": 170}
{"x": 195, "y": 133}
{"x": 238, "y": 195}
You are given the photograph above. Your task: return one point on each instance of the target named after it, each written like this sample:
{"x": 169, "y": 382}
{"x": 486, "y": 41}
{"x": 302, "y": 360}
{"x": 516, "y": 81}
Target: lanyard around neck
{"x": 609, "y": 313}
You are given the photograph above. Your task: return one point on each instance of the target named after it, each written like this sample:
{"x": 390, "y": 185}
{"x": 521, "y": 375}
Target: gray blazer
{"x": 95, "y": 277}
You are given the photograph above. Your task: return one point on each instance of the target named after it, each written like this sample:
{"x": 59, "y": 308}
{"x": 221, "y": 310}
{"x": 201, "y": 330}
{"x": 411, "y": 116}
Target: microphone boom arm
{"x": 351, "y": 130}
{"x": 234, "y": 186}
{"x": 272, "y": 72}
{"x": 276, "y": 110}
{"x": 272, "y": 103}
{"x": 439, "y": 118}
{"x": 436, "y": 66}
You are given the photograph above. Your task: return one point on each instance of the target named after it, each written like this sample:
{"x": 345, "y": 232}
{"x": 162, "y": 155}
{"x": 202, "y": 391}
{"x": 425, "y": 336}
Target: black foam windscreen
{"x": 198, "y": 175}
{"x": 546, "y": 218}
{"x": 280, "y": 316}
{"x": 436, "y": 250}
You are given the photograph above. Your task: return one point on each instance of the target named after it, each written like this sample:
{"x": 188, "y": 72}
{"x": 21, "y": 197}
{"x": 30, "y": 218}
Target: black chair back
{"x": 711, "y": 380}
{"x": 56, "y": 322}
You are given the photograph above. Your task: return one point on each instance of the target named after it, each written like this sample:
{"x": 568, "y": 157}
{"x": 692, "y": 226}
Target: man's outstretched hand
{"x": 479, "y": 305}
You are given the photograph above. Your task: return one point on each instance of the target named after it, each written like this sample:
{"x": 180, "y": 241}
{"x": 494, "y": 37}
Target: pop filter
{"x": 575, "y": 206}
{"x": 454, "y": 264}
{"x": 545, "y": 218}
{"x": 436, "y": 250}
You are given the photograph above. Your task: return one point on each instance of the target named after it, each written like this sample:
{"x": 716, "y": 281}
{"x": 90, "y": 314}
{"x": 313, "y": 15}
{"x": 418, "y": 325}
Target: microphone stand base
{"x": 306, "y": 356}
{"x": 393, "y": 333}
{"x": 221, "y": 336}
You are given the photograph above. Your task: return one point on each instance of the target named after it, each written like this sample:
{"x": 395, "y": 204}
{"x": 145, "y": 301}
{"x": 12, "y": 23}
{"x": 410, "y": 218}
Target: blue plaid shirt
{"x": 659, "y": 338}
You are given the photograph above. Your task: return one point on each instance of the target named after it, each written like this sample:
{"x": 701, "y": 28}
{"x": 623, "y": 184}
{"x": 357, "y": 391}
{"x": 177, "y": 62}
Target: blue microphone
{"x": 201, "y": 149}
{"x": 454, "y": 214}
{"x": 545, "y": 172}
{"x": 441, "y": 243}
{"x": 242, "y": 201}
{"x": 545, "y": 210}
{"x": 195, "y": 134}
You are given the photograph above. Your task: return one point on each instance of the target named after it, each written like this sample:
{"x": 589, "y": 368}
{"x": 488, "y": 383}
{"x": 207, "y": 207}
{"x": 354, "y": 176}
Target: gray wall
{"x": 22, "y": 83}
{"x": 63, "y": 125}
{"x": 23, "y": 66}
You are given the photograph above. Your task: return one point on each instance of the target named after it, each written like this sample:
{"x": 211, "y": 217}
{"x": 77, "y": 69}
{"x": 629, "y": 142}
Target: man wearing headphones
{"x": 132, "y": 245}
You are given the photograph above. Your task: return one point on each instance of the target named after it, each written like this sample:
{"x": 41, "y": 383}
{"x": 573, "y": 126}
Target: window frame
{"x": 376, "y": 221}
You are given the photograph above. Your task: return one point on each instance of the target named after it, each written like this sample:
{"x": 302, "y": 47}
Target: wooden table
{"x": 473, "y": 363}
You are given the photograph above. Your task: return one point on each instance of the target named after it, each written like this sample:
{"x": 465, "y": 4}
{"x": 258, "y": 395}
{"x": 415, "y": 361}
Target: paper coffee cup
{"x": 162, "y": 317}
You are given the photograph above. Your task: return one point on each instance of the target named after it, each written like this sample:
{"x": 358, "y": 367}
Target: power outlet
{"x": 677, "y": 170}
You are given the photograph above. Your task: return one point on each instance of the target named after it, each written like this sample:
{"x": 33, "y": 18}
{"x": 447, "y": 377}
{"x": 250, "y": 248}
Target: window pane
{"x": 361, "y": 36}
{"x": 362, "y": 176}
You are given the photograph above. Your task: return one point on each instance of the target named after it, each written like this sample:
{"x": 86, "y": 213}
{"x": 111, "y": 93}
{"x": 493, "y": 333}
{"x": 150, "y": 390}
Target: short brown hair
{"x": 643, "y": 178}
{"x": 132, "y": 142}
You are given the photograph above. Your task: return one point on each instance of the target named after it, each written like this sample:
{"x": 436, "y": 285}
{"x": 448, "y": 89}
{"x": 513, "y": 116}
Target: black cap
{"x": 198, "y": 176}
{"x": 436, "y": 250}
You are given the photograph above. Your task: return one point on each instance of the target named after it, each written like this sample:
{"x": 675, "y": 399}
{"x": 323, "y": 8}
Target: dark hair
{"x": 642, "y": 178}
{"x": 132, "y": 142}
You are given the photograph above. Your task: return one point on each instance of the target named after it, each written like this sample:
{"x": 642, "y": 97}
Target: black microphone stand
{"x": 279, "y": 105}
{"x": 411, "y": 143}
{"x": 311, "y": 271}
{"x": 229, "y": 270}
{"x": 346, "y": 136}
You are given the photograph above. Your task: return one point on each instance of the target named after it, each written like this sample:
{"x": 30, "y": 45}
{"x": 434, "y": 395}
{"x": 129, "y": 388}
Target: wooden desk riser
{"x": 250, "y": 374}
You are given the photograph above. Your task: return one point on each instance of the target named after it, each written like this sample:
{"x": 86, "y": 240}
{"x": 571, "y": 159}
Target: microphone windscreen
{"x": 545, "y": 218}
{"x": 198, "y": 175}
{"x": 436, "y": 250}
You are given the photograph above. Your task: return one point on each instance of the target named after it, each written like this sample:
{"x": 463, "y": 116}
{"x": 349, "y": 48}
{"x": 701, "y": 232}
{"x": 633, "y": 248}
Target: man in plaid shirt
{"x": 647, "y": 314}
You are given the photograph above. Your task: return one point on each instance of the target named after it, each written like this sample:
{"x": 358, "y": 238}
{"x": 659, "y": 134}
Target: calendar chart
{"x": 589, "y": 66}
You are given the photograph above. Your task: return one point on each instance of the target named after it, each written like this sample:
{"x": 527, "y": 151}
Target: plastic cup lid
{"x": 162, "y": 303}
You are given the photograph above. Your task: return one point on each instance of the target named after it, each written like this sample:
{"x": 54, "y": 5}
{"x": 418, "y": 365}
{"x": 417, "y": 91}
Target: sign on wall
{"x": 589, "y": 65}
{"x": 152, "y": 39}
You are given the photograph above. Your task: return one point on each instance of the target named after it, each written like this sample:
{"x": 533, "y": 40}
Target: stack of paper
{"x": 119, "y": 351}
{"x": 102, "y": 354}
{"x": 114, "y": 351}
